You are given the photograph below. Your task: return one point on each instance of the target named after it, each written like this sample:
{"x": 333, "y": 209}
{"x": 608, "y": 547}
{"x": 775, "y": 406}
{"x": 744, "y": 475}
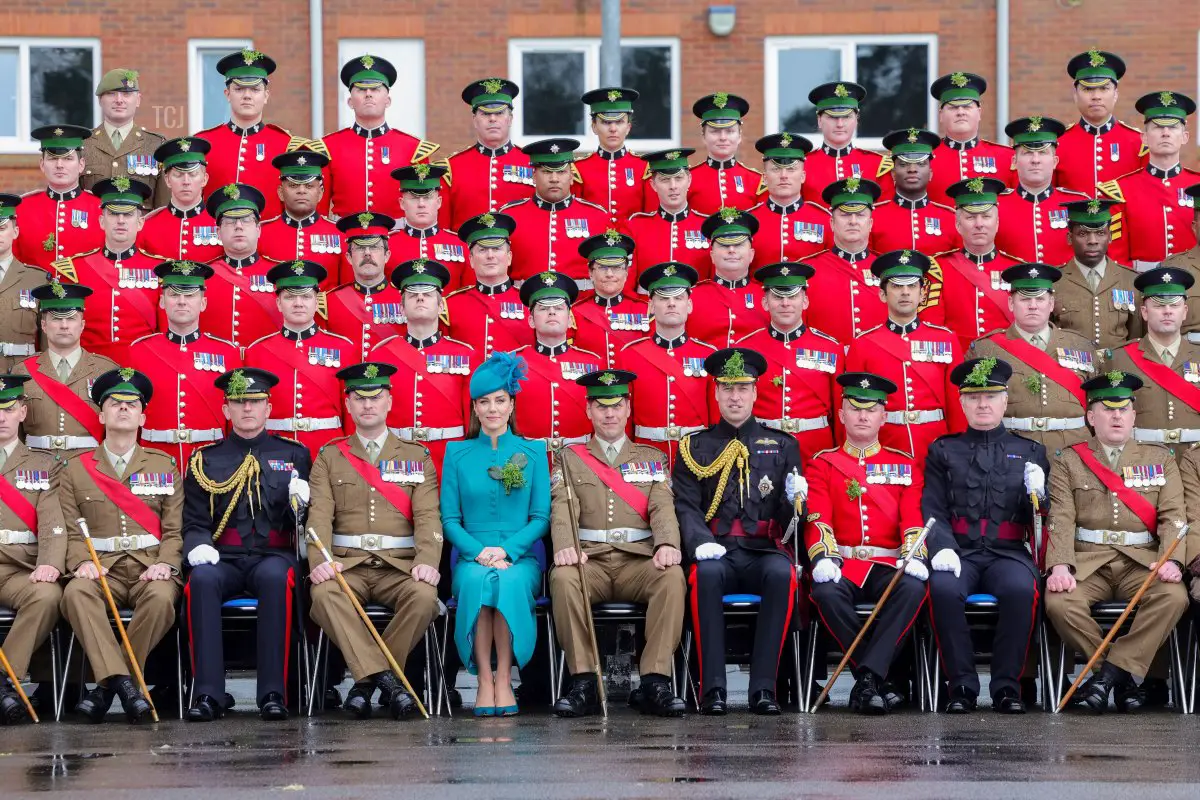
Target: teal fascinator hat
{"x": 501, "y": 371}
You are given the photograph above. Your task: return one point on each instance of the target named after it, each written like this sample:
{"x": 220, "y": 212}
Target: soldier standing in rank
{"x": 240, "y": 495}
{"x": 670, "y": 232}
{"x": 629, "y": 554}
{"x": 305, "y": 357}
{"x": 673, "y": 393}
{"x": 917, "y": 356}
{"x": 364, "y": 155}
{"x": 489, "y": 314}
{"x": 1045, "y": 401}
{"x": 19, "y": 320}
{"x": 612, "y": 177}
{"x": 492, "y": 172}
{"x": 1095, "y": 556}
{"x": 730, "y": 305}
{"x": 375, "y": 508}
{"x": 552, "y": 222}
{"x": 300, "y": 231}
{"x": 977, "y": 488}
{"x": 1154, "y": 220}
{"x": 854, "y": 555}
{"x": 962, "y": 155}
{"x": 32, "y": 547}
{"x": 243, "y": 147}
{"x": 181, "y": 362}
{"x": 837, "y": 107}
{"x": 843, "y": 278}
{"x": 61, "y": 220}
{"x": 119, "y": 147}
{"x": 1096, "y": 296}
{"x": 1190, "y": 260}
{"x": 735, "y": 484}
{"x": 606, "y": 318}
{"x": 417, "y": 234}
{"x": 789, "y": 228}
{"x": 1099, "y": 147}
{"x": 721, "y": 181}
{"x": 796, "y": 392}
{"x": 132, "y": 502}
{"x": 368, "y": 309}
{"x": 910, "y": 220}
{"x": 182, "y": 229}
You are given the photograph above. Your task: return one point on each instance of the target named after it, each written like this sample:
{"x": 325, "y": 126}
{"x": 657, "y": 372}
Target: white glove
{"x": 203, "y": 554}
{"x": 918, "y": 569}
{"x": 298, "y": 489}
{"x": 947, "y": 561}
{"x": 1035, "y": 479}
{"x": 795, "y": 485}
{"x": 709, "y": 550}
{"x": 826, "y": 570}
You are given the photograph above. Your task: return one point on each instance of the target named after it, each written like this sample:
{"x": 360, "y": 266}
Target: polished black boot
{"x": 133, "y": 701}
{"x": 358, "y": 701}
{"x": 1155, "y": 693}
{"x": 1093, "y": 694}
{"x": 1129, "y": 697}
{"x": 205, "y": 709}
{"x": 12, "y": 710}
{"x": 657, "y": 698}
{"x": 272, "y": 708}
{"x": 95, "y": 704}
{"x": 961, "y": 701}
{"x": 580, "y": 699}
{"x": 865, "y": 697}
{"x": 763, "y": 703}
{"x": 894, "y": 694}
{"x": 713, "y": 703}
{"x": 1008, "y": 701}
{"x": 400, "y": 702}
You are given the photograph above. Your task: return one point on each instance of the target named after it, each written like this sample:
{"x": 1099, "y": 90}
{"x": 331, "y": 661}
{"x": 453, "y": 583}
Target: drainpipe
{"x": 316, "y": 66}
{"x": 1001, "y": 68}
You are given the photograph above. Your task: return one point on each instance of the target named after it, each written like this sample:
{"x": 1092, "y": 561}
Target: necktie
{"x": 372, "y": 452}
{"x": 64, "y": 370}
{"x": 1114, "y": 456}
{"x": 1167, "y": 357}
{"x": 119, "y": 467}
{"x": 1093, "y": 279}
{"x": 3, "y": 457}
{"x": 117, "y": 139}
{"x": 611, "y": 453}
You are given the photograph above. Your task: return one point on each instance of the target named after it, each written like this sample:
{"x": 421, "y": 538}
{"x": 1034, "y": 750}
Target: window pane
{"x": 800, "y": 69}
{"x": 552, "y": 83}
{"x": 215, "y": 106}
{"x": 895, "y": 78}
{"x": 647, "y": 70}
{"x": 8, "y": 91}
{"x": 60, "y": 86}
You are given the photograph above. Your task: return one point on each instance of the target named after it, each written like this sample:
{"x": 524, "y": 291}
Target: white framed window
{"x": 407, "y": 111}
{"x": 207, "y": 106}
{"x": 45, "y": 82}
{"x": 554, "y": 73}
{"x": 896, "y": 71}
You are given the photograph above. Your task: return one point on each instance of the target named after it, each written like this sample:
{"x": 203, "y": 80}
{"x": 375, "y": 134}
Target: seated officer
{"x": 628, "y": 554}
{"x": 375, "y": 506}
{"x": 841, "y": 543}
{"x": 1095, "y": 556}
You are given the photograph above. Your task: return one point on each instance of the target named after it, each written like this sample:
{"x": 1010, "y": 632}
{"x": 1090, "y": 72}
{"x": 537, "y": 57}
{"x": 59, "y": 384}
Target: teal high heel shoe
{"x": 507, "y": 711}
{"x": 485, "y": 711}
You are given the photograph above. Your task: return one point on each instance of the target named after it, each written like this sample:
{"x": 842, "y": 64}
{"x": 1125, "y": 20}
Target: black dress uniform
{"x": 255, "y": 541}
{"x": 975, "y": 490}
{"x": 748, "y": 520}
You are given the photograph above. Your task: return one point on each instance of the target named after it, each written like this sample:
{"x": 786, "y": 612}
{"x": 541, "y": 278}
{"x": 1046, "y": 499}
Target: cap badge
{"x": 298, "y": 267}
{"x": 614, "y": 95}
{"x": 669, "y": 271}
{"x": 735, "y": 367}
{"x": 57, "y": 288}
{"x": 554, "y": 148}
{"x": 865, "y": 383}
{"x": 122, "y": 183}
{"x": 720, "y": 99}
{"x": 905, "y": 256}
{"x": 185, "y": 145}
{"x": 840, "y": 91}
{"x": 1094, "y": 58}
{"x": 1114, "y": 378}
{"x": 492, "y": 85}
{"x": 980, "y": 372}
{"x": 183, "y": 267}
{"x": 1035, "y": 124}
{"x": 1166, "y": 278}
{"x": 785, "y": 271}
{"x": 250, "y": 56}
{"x": 728, "y": 214}
{"x": 59, "y": 131}
{"x": 129, "y": 77}
{"x": 975, "y": 185}
{"x": 612, "y": 238}
{"x": 548, "y": 278}
{"x": 608, "y": 379}
{"x": 852, "y": 184}
{"x": 367, "y": 61}
{"x": 371, "y": 371}
{"x": 126, "y": 373}
{"x": 302, "y": 161}
{"x": 673, "y": 155}
{"x": 912, "y": 135}
{"x": 487, "y": 221}
{"x": 422, "y": 171}
{"x": 419, "y": 266}
{"x": 232, "y": 192}
{"x": 364, "y": 219}
{"x": 958, "y": 79}
{"x": 1033, "y": 273}
{"x": 1166, "y": 98}
{"x": 1093, "y": 206}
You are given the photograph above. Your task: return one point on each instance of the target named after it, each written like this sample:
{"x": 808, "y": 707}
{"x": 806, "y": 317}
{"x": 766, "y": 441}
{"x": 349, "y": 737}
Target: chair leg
{"x": 799, "y": 668}
{"x": 688, "y": 683}
{"x": 443, "y": 690}
{"x": 62, "y": 692}
{"x": 550, "y": 647}
{"x": 54, "y": 677}
{"x": 316, "y": 674}
{"x": 1176, "y": 681}
{"x": 806, "y": 695}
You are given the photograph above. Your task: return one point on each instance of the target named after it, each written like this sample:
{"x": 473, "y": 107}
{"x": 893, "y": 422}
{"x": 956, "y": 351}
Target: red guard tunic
{"x": 171, "y": 234}
{"x": 241, "y": 303}
{"x": 662, "y": 236}
{"x": 789, "y": 233}
{"x": 313, "y": 238}
{"x": 1034, "y": 227}
{"x": 430, "y": 401}
{"x": 844, "y": 294}
{"x": 489, "y": 318}
{"x": 921, "y": 225}
{"x": 358, "y": 176}
{"x": 406, "y": 243}
{"x": 548, "y": 236}
{"x": 1153, "y": 220}
{"x": 959, "y": 161}
{"x": 57, "y": 225}
{"x": 484, "y": 180}
{"x": 605, "y": 325}
{"x": 919, "y": 363}
{"x": 243, "y": 155}
{"x": 725, "y": 311}
{"x": 796, "y": 393}
{"x": 826, "y": 164}
{"x": 971, "y": 298}
{"x": 552, "y": 406}
{"x": 1089, "y": 155}
{"x": 123, "y": 306}
{"x": 182, "y": 369}
{"x": 307, "y": 404}
{"x": 614, "y": 181}
{"x": 365, "y": 316}
{"x": 723, "y": 184}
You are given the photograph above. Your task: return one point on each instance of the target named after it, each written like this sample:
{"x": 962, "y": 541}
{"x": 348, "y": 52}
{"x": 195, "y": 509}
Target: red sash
{"x": 669, "y": 366}
{"x": 542, "y": 366}
{"x": 1164, "y": 376}
{"x": 216, "y": 420}
{"x": 898, "y": 349}
{"x": 1138, "y": 504}
{"x": 262, "y": 299}
{"x": 79, "y": 409}
{"x": 11, "y": 496}
{"x": 135, "y": 297}
{"x": 1042, "y": 362}
{"x": 612, "y": 478}
{"x": 849, "y": 467}
{"x": 122, "y": 497}
{"x": 370, "y": 473}
{"x": 983, "y": 282}
{"x": 359, "y": 310}
{"x": 414, "y": 359}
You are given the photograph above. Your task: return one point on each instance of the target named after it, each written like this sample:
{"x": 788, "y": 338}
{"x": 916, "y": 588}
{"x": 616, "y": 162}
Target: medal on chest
{"x": 136, "y": 279}
{"x": 205, "y": 235}
{"x": 279, "y": 465}
{"x": 984, "y": 164}
{"x": 259, "y": 283}
{"x": 152, "y": 483}
{"x": 642, "y": 471}
{"x": 325, "y": 356}
{"x": 512, "y": 311}
{"x": 32, "y": 480}
{"x": 1114, "y": 152}
{"x": 998, "y": 284}
{"x": 208, "y": 362}
{"x": 628, "y": 322}
{"x": 576, "y": 369}
{"x": 1186, "y": 200}
{"x": 79, "y": 218}
{"x": 694, "y": 368}
{"x": 811, "y": 232}
{"x": 819, "y": 360}
{"x": 576, "y": 228}
{"x": 934, "y": 352}
{"x": 896, "y": 474}
{"x": 387, "y": 313}
{"x": 1139, "y": 476}
{"x": 933, "y": 226}
{"x": 448, "y": 252}
{"x": 1122, "y": 300}
{"x": 26, "y": 298}
{"x": 451, "y": 365}
{"x": 694, "y": 240}
{"x": 402, "y": 472}
{"x": 1191, "y": 371}
{"x": 515, "y": 174}
{"x": 1058, "y": 219}
{"x": 1078, "y": 360}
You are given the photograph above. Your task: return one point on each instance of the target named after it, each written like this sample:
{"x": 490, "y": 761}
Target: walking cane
{"x": 583, "y": 584}
{"x": 134, "y": 667}
{"x": 312, "y": 537}
{"x": 1112, "y": 632}
{"x": 912, "y": 551}
{"x": 16, "y": 682}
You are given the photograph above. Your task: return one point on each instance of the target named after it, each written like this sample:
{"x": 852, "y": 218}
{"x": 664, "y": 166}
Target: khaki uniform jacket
{"x": 1158, "y": 409}
{"x": 45, "y": 417}
{"x": 1189, "y": 260}
{"x": 51, "y": 547}
{"x": 18, "y": 313}
{"x": 601, "y": 508}
{"x": 1096, "y": 316}
{"x": 1189, "y": 470}
{"x": 1079, "y": 500}
{"x": 81, "y": 497}
{"x": 102, "y": 160}
{"x": 343, "y": 503}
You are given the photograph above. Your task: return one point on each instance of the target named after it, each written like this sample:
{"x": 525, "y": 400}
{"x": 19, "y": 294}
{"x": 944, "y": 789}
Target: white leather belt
{"x": 1121, "y": 538}
{"x": 304, "y": 424}
{"x": 1144, "y": 266}
{"x": 422, "y": 434}
{"x": 556, "y": 443}
{"x": 867, "y": 553}
{"x": 795, "y": 424}
{"x": 10, "y": 349}
{"x": 373, "y": 542}
{"x": 176, "y": 436}
{"x": 671, "y": 433}
{"x": 17, "y": 537}
{"x": 1194, "y": 337}
{"x": 1166, "y": 435}
{"x": 614, "y": 536}
{"x": 115, "y": 543}
{"x": 61, "y": 442}
{"x": 914, "y": 417}
{"x": 1044, "y": 423}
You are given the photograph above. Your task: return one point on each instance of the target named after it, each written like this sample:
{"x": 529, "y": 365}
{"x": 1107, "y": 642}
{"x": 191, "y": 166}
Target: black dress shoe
{"x": 1155, "y": 693}
{"x": 1008, "y": 701}
{"x": 95, "y": 704}
{"x": 455, "y": 698}
{"x": 657, "y": 698}
{"x": 713, "y": 703}
{"x": 1094, "y": 692}
{"x": 205, "y": 708}
{"x": 358, "y": 701}
{"x": 135, "y": 704}
{"x": 333, "y": 698}
{"x": 894, "y": 695}
{"x": 400, "y": 701}
{"x": 227, "y": 702}
{"x": 272, "y": 708}
{"x": 580, "y": 700}
{"x": 961, "y": 702}
{"x": 1129, "y": 697}
{"x": 12, "y": 710}
{"x": 865, "y": 697}
{"x": 763, "y": 703}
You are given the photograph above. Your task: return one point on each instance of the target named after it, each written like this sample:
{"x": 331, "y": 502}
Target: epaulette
{"x": 32, "y": 192}
{"x": 897, "y": 451}
{"x": 272, "y": 219}
{"x": 333, "y": 442}
{"x": 818, "y": 253}
{"x": 1072, "y": 192}
{"x": 643, "y": 214}
{"x": 148, "y": 254}
{"x": 460, "y": 290}
{"x": 643, "y": 446}
{"x": 289, "y": 439}
{"x": 576, "y": 177}
{"x": 702, "y": 343}
{"x": 942, "y": 206}
{"x": 748, "y": 335}
{"x": 153, "y": 453}
{"x": 1009, "y": 256}
{"x": 997, "y": 144}
{"x": 825, "y": 335}
{"x": 218, "y": 339}
{"x": 323, "y": 305}
{"x": 936, "y": 256}
{"x": 747, "y": 166}
{"x": 514, "y": 204}
{"x": 1156, "y": 444}
{"x": 261, "y": 339}
{"x": 870, "y": 330}
{"x": 328, "y": 332}
{"x": 589, "y": 203}
{"x": 425, "y": 149}
{"x": 449, "y": 339}
{"x": 382, "y": 342}
{"x": 936, "y": 327}
{"x": 820, "y": 453}
{"x": 152, "y": 212}
{"x": 635, "y": 341}
{"x": 143, "y": 338}
{"x": 104, "y": 361}
{"x": 762, "y": 187}
{"x": 886, "y": 165}
{"x": 586, "y": 352}
{"x": 448, "y": 178}
{"x": 464, "y": 150}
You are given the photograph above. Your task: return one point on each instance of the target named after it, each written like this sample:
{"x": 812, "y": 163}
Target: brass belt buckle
{"x": 862, "y": 553}
{"x": 303, "y": 424}
{"x": 420, "y": 433}
{"x": 674, "y": 432}
{"x": 912, "y": 416}
{"x": 791, "y": 425}
{"x": 1173, "y": 434}
{"x": 1039, "y": 422}
{"x": 125, "y": 543}
{"x": 1114, "y": 537}
{"x": 556, "y": 443}
{"x": 58, "y": 442}
{"x": 370, "y": 542}
{"x": 616, "y": 536}
{"x": 183, "y": 435}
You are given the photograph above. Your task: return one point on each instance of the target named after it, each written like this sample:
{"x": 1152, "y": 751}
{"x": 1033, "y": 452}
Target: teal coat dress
{"x": 476, "y": 513}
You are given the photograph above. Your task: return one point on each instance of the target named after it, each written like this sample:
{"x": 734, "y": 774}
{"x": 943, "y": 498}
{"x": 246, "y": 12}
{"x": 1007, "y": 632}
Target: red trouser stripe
{"x": 287, "y": 630}
{"x": 696, "y": 627}
{"x": 187, "y": 597}
{"x": 787, "y": 622}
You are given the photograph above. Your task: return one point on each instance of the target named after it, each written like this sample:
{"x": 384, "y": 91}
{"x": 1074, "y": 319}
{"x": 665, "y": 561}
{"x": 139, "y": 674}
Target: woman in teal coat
{"x": 495, "y": 506}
